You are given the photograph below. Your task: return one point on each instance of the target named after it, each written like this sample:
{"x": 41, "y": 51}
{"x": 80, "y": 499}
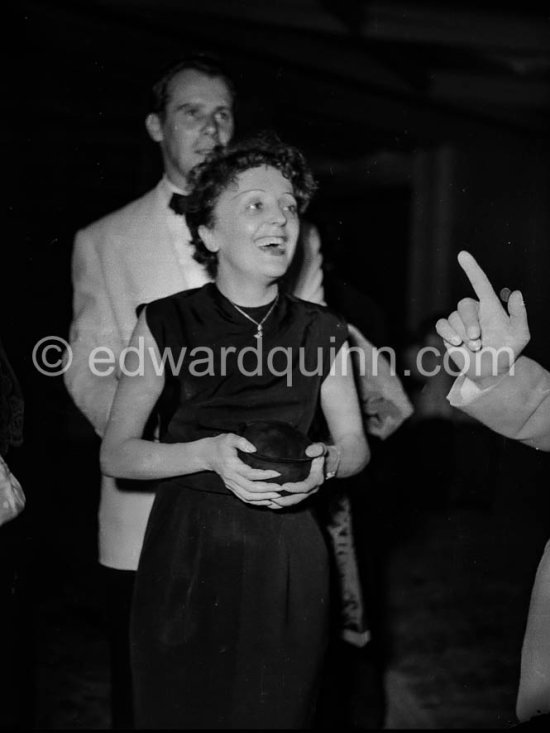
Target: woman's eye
{"x": 255, "y": 205}
{"x": 291, "y": 208}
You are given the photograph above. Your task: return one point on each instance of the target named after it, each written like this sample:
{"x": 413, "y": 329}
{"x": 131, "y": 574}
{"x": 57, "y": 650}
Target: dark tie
{"x": 178, "y": 203}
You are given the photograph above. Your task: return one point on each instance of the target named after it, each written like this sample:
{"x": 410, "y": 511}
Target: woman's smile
{"x": 274, "y": 246}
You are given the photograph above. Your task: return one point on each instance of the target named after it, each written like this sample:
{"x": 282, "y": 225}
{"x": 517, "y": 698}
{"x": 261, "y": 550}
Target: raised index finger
{"x": 479, "y": 280}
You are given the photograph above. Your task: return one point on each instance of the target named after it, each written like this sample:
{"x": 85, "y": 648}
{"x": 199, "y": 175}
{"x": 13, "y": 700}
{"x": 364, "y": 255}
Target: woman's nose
{"x": 279, "y": 215}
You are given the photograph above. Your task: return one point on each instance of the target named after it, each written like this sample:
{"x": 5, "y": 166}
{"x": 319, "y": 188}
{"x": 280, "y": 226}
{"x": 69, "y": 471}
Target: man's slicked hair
{"x": 206, "y": 64}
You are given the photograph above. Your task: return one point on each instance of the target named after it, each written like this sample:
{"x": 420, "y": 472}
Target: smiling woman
{"x": 255, "y": 229}
{"x": 229, "y": 621}
{"x": 258, "y": 191}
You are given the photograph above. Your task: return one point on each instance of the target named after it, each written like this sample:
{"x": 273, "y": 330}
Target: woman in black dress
{"x": 230, "y": 609}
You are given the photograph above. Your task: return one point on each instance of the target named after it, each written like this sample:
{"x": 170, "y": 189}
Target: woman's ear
{"x": 208, "y": 239}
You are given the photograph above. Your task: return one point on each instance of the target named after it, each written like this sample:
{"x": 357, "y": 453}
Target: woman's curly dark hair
{"x": 220, "y": 169}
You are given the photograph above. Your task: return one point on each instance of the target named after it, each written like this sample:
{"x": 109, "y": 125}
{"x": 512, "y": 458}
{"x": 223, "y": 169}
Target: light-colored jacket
{"x": 518, "y": 406}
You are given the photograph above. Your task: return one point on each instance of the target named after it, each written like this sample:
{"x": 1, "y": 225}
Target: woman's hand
{"x": 247, "y": 483}
{"x": 300, "y": 490}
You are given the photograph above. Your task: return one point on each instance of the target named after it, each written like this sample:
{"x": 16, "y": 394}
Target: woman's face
{"x": 255, "y": 226}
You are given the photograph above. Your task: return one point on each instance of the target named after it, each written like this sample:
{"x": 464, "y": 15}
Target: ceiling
{"x": 343, "y": 78}
{"x": 390, "y": 71}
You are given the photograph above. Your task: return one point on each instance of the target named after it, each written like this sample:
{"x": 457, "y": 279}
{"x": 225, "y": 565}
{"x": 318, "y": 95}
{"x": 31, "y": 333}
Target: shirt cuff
{"x": 465, "y": 391}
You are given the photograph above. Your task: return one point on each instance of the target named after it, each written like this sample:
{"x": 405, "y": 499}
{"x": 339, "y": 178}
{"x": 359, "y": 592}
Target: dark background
{"x": 426, "y": 124}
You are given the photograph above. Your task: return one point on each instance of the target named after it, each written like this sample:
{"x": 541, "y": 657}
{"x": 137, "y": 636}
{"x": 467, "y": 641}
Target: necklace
{"x": 259, "y": 324}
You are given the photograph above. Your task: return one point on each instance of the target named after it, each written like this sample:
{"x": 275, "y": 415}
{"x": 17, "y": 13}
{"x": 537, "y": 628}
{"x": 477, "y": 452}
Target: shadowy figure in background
{"x": 439, "y": 435}
{"x": 17, "y": 682}
{"x": 431, "y": 429}
{"x": 353, "y": 687}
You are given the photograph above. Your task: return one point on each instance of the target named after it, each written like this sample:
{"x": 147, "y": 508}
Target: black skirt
{"x": 229, "y": 629}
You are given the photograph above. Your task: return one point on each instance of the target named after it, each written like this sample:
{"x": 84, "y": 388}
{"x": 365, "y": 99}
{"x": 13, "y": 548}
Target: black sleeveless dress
{"x": 230, "y": 610}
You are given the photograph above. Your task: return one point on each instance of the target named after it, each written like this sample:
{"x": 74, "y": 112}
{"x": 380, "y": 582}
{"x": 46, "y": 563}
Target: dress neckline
{"x": 256, "y": 310}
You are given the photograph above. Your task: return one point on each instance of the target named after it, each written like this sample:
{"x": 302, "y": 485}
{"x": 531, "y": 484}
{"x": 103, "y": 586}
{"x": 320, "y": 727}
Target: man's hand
{"x": 481, "y": 337}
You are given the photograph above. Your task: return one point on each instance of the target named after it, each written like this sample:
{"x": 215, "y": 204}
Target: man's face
{"x": 198, "y": 116}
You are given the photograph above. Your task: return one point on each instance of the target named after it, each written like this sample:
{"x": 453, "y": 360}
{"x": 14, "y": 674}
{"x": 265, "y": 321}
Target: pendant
{"x": 258, "y": 335}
